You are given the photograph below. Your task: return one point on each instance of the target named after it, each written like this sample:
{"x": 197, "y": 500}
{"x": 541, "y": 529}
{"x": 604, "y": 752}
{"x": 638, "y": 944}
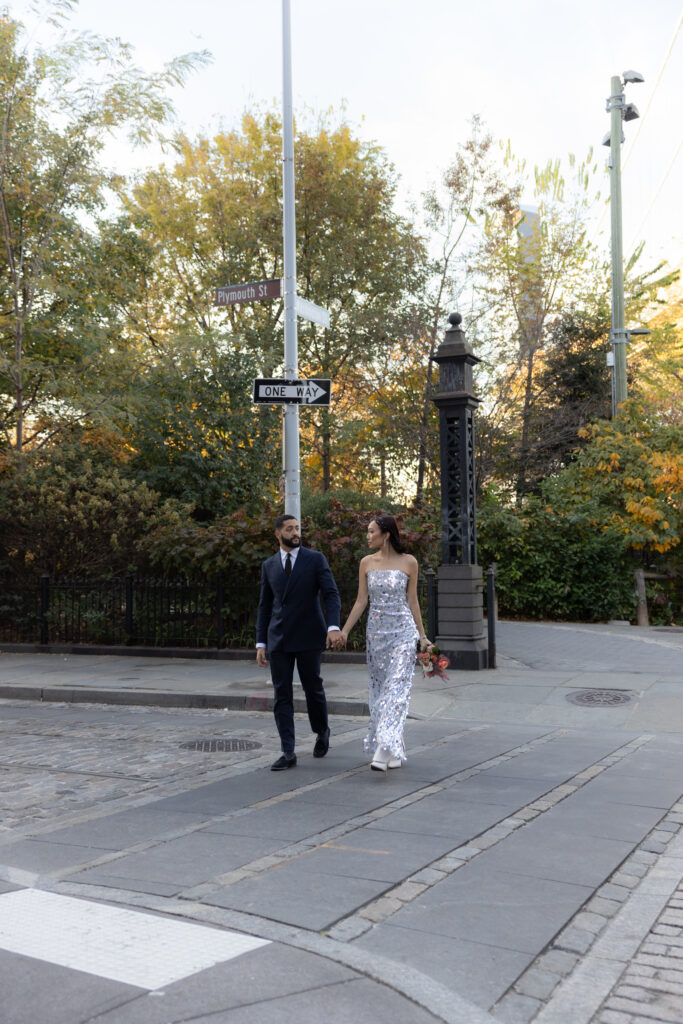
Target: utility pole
{"x": 290, "y": 413}
{"x": 619, "y": 111}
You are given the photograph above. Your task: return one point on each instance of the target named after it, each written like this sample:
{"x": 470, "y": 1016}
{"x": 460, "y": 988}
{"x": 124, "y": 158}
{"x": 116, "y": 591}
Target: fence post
{"x": 641, "y": 611}
{"x": 130, "y": 639}
{"x": 491, "y": 613}
{"x": 219, "y": 612}
{"x": 44, "y": 607}
{"x": 430, "y": 576}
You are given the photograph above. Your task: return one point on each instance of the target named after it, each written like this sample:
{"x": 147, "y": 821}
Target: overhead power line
{"x": 654, "y": 90}
{"x": 655, "y": 197}
{"x": 660, "y": 73}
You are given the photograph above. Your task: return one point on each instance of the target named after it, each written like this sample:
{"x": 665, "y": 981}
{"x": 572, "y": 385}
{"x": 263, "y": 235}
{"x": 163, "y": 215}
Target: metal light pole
{"x": 619, "y": 111}
{"x": 290, "y": 413}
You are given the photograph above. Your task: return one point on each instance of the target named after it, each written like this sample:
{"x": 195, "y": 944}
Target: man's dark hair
{"x": 281, "y": 520}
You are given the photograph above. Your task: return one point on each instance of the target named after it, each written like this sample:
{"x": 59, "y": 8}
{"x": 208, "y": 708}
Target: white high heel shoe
{"x": 396, "y": 762}
{"x": 380, "y": 761}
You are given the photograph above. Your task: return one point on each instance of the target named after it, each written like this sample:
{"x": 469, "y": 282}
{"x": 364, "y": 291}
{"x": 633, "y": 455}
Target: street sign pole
{"x": 290, "y": 416}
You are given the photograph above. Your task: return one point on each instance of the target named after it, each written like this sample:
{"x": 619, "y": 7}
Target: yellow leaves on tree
{"x": 631, "y": 475}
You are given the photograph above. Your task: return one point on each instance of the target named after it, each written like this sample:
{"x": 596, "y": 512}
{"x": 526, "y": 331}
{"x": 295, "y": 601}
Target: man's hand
{"x": 334, "y": 639}
{"x": 261, "y": 657}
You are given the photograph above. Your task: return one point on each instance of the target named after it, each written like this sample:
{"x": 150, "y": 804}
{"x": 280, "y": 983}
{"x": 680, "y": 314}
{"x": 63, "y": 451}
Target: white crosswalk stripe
{"x": 123, "y": 945}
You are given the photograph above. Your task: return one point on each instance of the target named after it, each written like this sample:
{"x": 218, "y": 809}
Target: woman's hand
{"x": 425, "y": 644}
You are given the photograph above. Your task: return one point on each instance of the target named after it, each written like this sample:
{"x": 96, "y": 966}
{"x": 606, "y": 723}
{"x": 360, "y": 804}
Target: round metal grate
{"x": 601, "y": 698}
{"x": 215, "y": 746}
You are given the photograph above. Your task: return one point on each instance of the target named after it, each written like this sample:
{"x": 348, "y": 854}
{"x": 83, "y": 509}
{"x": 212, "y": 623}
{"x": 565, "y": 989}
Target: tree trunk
{"x": 521, "y": 484}
{"x": 19, "y": 388}
{"x": 326, "y": 450}
{"x": 424, "y": 420}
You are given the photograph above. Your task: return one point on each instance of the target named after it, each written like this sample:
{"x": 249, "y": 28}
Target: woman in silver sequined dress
{"x": 388, "y": 577}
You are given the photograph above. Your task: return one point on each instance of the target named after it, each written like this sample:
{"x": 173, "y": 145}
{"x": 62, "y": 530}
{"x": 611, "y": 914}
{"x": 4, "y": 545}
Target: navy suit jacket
{"x": 289, "y": 614}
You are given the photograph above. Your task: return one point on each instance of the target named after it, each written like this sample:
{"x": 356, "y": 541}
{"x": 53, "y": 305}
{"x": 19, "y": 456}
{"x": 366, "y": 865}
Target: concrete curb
{"x": 199, "y": 653}
{"x": 169, "y": 699}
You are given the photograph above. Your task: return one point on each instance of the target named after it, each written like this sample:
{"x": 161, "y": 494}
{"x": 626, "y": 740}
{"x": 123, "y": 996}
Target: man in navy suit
{"x": 290, "y": 628}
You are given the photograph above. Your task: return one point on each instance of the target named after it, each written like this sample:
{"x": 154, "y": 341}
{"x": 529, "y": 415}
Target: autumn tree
{"x": 655, "y": 362}
{"x": 534, "y": 264}
{"x": 57, "y": 109}
{"x": 214, "y": 218}
{"x": 571, "y": 389}
{"x": 474, "y": 189}
{"x": 630, "y": 474}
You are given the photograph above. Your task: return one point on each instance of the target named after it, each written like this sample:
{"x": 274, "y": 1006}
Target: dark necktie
{"x": 288, "y": 564}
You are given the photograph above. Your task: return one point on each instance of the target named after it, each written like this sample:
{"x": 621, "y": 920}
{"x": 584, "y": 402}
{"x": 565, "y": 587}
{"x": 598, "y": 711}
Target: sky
{"x": 412, "y": 74}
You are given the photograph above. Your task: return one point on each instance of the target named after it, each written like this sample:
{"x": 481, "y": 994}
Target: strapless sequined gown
{"x": 391, "y": 641}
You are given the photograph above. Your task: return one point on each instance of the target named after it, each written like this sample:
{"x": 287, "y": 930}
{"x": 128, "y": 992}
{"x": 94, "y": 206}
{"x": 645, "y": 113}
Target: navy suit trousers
{"x": 282, "y": 674}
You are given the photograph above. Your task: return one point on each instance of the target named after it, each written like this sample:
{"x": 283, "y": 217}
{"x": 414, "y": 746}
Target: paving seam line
{"x": 244, "y": 767}
{"x": 179, "y": 785}
{"x": 378, "y": 910}
{"x": 288, "y": 852}
{"x": 279, "y": 858}
{"x": 576, "y": 973}
{"x": 651, "y": 984}
{"x": 381, "y": 907}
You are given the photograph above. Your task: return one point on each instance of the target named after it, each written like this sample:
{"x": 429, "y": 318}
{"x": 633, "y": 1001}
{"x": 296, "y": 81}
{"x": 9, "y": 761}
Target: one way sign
{"x": 279, "y": 390}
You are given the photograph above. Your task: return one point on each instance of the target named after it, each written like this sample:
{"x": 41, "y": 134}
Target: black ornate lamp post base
{"x": 460, "y": 632}
{"x": 461, "y": 616}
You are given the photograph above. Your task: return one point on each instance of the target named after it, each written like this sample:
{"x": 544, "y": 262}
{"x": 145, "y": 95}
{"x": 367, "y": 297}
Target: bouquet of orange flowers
{"x": 433, "y": 663}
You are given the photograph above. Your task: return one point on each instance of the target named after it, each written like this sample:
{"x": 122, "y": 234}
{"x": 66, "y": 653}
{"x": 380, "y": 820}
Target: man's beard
{"x": 291, "y": 542}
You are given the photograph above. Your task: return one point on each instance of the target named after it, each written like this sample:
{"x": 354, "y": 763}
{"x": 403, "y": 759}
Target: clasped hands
{"x": 336, "y": 639}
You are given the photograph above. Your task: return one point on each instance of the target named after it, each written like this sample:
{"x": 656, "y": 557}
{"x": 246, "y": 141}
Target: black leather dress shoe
{"x": 283, "y": 762}
{"x": 322, "y": 744}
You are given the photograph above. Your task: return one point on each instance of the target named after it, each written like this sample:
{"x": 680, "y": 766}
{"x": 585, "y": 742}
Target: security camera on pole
{"x": 619, "y": 111}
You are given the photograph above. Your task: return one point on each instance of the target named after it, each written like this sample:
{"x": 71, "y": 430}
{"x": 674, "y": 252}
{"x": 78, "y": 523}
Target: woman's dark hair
{"x": 387, "y": 524}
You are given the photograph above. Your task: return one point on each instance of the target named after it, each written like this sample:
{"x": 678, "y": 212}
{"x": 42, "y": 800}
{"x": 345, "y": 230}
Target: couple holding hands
{"x": 290, "y": 629}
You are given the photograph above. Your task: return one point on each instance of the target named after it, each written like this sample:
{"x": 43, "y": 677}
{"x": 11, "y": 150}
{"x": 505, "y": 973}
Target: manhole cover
{"x": 213, "y": 746}
{"x": 601, "y": 698}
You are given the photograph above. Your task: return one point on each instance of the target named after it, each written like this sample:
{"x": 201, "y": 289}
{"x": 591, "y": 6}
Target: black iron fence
{"x": 154, "y": 612}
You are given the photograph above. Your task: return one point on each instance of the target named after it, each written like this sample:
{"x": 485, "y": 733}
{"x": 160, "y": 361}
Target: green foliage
{"x": 572, "y": 388}
{"x": 240, "y": 541}
{"x": 570, "y": 551}
{"x": 533, "y": 265}
{"x": 56, "y": 325}
{"x": 555, "y": 566}
{"x": 317, "y": 506}
{"x": 196, "y": 437}
{"x": 63, "y": 518}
